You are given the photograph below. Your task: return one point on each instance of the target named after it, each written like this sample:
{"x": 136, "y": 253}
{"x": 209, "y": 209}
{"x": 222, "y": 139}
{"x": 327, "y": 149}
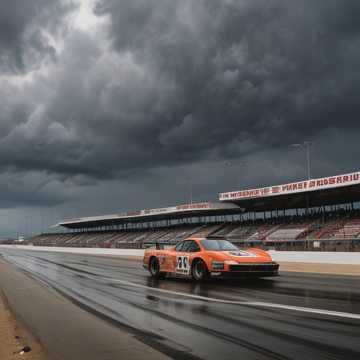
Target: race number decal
{"x": 182, "y": 265}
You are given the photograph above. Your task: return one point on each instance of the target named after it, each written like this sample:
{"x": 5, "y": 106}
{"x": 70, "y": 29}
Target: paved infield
{"x": 293, "y": 316}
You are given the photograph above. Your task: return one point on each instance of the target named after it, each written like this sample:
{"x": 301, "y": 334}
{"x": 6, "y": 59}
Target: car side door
{"x": 174, "y": 253}
{"x": 184, "y": 258}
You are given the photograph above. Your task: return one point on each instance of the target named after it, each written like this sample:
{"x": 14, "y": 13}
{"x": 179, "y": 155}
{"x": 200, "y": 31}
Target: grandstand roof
{"x": 331, "y": 190}
{"x": 173, "y": 212}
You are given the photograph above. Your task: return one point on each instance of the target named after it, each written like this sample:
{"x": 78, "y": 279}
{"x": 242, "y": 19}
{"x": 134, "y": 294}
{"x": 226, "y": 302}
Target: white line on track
{"x": 244, "y": 303}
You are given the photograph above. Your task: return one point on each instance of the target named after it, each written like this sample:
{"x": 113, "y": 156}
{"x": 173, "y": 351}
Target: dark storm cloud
{"x": 257, "y": 70}
{"x": 24, "y": 26}
{"x": 172, "y": 83}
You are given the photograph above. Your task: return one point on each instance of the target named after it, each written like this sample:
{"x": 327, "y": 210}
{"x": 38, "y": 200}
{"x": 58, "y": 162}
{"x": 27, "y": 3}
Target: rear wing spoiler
{"x": 156, "y": 244}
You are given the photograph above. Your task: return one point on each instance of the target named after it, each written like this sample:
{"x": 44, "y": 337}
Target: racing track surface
{"x": 294, "y": 316}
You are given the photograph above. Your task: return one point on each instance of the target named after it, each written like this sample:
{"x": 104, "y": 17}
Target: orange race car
{"x": 200, "y": 258}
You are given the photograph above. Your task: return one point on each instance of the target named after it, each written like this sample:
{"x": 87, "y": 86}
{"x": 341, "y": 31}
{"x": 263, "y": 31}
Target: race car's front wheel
{"x": 199, "y": 270}
{"x": 154, "y": 268}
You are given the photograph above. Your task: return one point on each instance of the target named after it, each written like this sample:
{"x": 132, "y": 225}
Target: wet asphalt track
{"x": 191, "y": 326}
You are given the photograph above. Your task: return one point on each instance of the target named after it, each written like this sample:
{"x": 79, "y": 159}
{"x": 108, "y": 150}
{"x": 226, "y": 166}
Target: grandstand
{"x": 317, "y": 214}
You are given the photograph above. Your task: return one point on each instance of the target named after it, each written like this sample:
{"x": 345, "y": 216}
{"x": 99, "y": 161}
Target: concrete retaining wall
{"x": 81, "y": 250}
{"x": 351, "y": 258}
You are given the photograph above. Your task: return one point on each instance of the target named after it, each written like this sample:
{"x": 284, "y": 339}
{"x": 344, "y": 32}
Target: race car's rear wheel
{"x": 154, "y": 268}
{"x": 199, "y": 270}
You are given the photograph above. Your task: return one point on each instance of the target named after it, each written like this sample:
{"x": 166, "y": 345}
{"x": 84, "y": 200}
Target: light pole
{"x": 191, "y": 192}
{"x": 28, "y": 225}
{"x": 307, "y": 146}
{"x": 191, "y": 189}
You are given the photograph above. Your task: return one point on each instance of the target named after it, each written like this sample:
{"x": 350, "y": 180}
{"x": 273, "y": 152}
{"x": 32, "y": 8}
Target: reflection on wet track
{"x": 192, "y": 327}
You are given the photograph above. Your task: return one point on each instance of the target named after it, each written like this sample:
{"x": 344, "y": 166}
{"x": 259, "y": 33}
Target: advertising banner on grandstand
{"x": 291, "y": 188}
{"x": 151, "y": 212}
{"x": 172, "y": 209}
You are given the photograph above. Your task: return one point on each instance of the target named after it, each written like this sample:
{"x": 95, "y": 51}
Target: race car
{"x": 201, "y": 258}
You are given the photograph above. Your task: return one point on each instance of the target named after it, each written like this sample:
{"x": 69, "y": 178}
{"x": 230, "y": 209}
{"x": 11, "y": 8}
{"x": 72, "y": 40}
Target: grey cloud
{"x": 24, "y": 26}
{"x": 33, "y": 188}
{"x": 271, "y": 69}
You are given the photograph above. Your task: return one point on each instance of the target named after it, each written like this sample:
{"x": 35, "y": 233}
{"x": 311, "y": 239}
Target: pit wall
{"x": 80, "y": 250}
{"x": 349, "y": 258}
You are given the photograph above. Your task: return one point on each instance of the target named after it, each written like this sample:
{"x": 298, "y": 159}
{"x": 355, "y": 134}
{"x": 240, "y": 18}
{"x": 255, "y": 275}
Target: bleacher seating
{"x": 207, "y": 230}
{"x": 349, "y": 229}
{"x": 123, "y": 238}
{"x": 261, "y": 232}
{"x": 242, "y": 232}
{"x": 286, "y": 233}
{"x": 226, "y": 229}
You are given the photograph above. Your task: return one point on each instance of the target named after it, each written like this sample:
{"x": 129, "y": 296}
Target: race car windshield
{"x": 218, "y": 245}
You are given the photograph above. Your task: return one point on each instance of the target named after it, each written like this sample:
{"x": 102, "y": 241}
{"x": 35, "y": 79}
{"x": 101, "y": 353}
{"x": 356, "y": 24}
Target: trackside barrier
{"x": 80, "y": 250}
{"x": 351, "y": 258}
{"x": 324, "y": 257}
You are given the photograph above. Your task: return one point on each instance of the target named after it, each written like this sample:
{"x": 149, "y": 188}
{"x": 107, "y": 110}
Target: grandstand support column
{"x": 307, "y": 198}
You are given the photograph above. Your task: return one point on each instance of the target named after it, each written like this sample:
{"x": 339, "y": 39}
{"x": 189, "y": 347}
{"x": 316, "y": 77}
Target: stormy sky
{"x": 109, "y": 105}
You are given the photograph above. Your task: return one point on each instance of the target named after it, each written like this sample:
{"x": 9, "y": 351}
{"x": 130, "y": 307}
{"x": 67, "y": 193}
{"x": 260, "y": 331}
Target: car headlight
{"x": 218, "y": 265}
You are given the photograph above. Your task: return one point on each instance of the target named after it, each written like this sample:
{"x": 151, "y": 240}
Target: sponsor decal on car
{"x": 242, "y": 253}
